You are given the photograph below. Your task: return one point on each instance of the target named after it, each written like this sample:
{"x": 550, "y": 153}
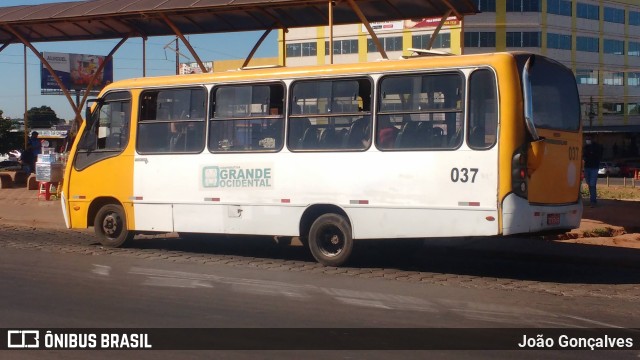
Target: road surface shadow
{"x": 519, "y": 258}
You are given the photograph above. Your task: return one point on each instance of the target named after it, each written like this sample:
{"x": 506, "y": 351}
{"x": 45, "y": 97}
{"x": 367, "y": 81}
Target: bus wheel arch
{"x": 109, "y": 221}
{"x": 327, "y": 232}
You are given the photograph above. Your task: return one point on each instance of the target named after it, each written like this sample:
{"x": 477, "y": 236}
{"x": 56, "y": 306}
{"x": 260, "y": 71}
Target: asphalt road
{"x": 58, "y": 278}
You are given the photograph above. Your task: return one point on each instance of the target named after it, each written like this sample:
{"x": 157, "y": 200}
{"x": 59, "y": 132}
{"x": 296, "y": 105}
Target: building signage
{"x": 194, "y": 68}
{"x": 384, "y": 26}
{"x": 430, "y": 22}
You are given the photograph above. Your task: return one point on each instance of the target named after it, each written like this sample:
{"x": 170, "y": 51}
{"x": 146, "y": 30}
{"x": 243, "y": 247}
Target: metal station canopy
{"x": 123, "y": 19}
{"x": 109, "y": 19}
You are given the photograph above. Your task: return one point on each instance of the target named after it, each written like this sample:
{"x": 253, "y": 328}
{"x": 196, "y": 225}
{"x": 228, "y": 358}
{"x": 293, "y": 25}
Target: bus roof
{"x": 277, "y": 73}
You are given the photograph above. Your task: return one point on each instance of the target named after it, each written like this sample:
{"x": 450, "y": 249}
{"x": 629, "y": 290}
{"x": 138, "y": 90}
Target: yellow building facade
{"x": 598, "y": 40}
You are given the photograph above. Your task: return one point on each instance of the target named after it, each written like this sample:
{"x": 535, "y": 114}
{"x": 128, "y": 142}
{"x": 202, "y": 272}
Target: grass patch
{"x": 613, "y": 192}
{"x": 599, "y": 232}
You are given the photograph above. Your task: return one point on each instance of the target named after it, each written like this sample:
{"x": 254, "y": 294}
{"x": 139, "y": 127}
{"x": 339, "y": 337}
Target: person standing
{"x": 27, "y": 160}
{"x": 591, "y": 154}
{"x": 36, "y": 146}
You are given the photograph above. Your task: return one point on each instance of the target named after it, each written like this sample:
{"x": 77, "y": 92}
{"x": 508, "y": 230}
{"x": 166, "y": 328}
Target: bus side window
{"x": 330, "y": 115}
{"x": 422, "y": 112}
{"x": 483, "y": 110}
{"x": 247, "y": 118}
{"x": 172, "y": 121}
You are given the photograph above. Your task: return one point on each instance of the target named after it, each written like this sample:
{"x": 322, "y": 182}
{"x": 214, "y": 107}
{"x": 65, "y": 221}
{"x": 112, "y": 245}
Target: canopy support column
{"x": 437, "y": 29}
{"x": 49, "y": 68}
{"x": 99, "y": 70}
{"x": 185, "y": 42}
{"x": 144, "y": 57}
{"x": 366, "y": 24}
{"x": 26, "y": 94}
{"x": 255, "y": 48}
{"x": 330, "y": 32}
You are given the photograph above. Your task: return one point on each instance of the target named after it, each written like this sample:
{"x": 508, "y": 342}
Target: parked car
{"x": 608, "y": 169}
{"x": 629, "y": 168}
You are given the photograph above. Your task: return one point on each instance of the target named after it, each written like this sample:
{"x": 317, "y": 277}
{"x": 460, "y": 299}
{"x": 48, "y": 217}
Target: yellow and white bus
{"x": 442, "y": 146}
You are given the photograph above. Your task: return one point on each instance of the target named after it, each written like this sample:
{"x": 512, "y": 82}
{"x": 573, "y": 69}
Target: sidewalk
{"x": 609, "y": 233}
{"x": 19, "y": 206}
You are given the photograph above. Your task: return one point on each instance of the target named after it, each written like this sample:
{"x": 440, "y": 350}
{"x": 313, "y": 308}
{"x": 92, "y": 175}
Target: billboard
{"x": 75, "y": 71}
{"x": 193, "y": 68}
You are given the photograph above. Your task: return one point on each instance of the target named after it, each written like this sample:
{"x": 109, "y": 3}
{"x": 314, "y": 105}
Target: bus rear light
{"x": 519, "y": 173}
{"x": 490, "y": 218}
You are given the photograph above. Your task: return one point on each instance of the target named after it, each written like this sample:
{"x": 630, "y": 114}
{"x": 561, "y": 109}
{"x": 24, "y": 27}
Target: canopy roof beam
{"x": 184, "y": 40}
{"x": 108, "y": 58}
{"x": 4, "y": 46}
{"x": 366, "y": 24}
{"x": 255, "y": 48}
{"x": 436, "y": 31}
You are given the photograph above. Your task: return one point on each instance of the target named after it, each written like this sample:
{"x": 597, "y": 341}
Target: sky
{"x": 127, "y": 61}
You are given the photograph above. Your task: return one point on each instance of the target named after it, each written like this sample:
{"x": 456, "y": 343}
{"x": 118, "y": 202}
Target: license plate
{"x": 553, "y": 219}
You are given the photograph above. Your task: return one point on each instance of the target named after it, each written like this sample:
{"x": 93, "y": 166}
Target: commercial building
{"x": 598, "y": 40}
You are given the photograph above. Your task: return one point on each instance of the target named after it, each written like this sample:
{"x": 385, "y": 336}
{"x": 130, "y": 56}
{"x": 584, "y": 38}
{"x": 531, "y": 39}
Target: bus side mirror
{"x": 535, "y": 154}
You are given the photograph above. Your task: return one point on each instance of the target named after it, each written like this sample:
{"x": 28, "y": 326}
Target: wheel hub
{"x": 110, "y": 225}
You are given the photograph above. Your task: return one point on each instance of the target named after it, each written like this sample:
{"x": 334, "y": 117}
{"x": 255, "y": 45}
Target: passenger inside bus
{"x": 387, "y": 133}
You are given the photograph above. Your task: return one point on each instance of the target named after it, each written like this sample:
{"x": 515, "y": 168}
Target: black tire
{"x": 110, "y": 226}
{"x": 330, "y": 240}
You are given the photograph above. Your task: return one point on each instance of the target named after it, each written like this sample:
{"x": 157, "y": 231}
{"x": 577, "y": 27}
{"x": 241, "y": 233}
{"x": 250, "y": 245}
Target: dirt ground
{"x": 611, "y": 223}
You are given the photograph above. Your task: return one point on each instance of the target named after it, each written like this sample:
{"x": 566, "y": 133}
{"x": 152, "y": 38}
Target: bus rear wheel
{"x": 330, "y": 240}
{"x": 110, "y": 226}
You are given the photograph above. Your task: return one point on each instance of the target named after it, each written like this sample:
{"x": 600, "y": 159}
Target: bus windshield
{"x": 556, "y": 103}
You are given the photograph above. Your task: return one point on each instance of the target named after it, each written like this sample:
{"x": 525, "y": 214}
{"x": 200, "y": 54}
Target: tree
{"x": 9, "y": 140}
{"x": 42, "y": 117}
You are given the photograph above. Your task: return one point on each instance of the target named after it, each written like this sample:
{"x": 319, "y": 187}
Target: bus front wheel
{"x": 110, "y": 226}
{"x": 330, "y": 240}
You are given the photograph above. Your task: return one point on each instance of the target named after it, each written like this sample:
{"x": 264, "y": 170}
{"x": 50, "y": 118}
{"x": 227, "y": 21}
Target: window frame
{"x": 86, "y": 157}
{"x": 467, "y": 120}
{"x": 290, "y": 114}
{"x": 461, "y": 112}
{"x": 141, "y": 122}
{"x": 263, "y": 117}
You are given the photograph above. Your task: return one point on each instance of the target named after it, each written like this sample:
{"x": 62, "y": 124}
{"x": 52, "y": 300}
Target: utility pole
{"x": 178, "y": 54}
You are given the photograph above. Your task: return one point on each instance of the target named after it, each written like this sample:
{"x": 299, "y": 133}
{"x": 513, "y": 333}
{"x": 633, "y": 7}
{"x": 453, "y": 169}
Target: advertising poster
{"x": 75, "y": 71}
